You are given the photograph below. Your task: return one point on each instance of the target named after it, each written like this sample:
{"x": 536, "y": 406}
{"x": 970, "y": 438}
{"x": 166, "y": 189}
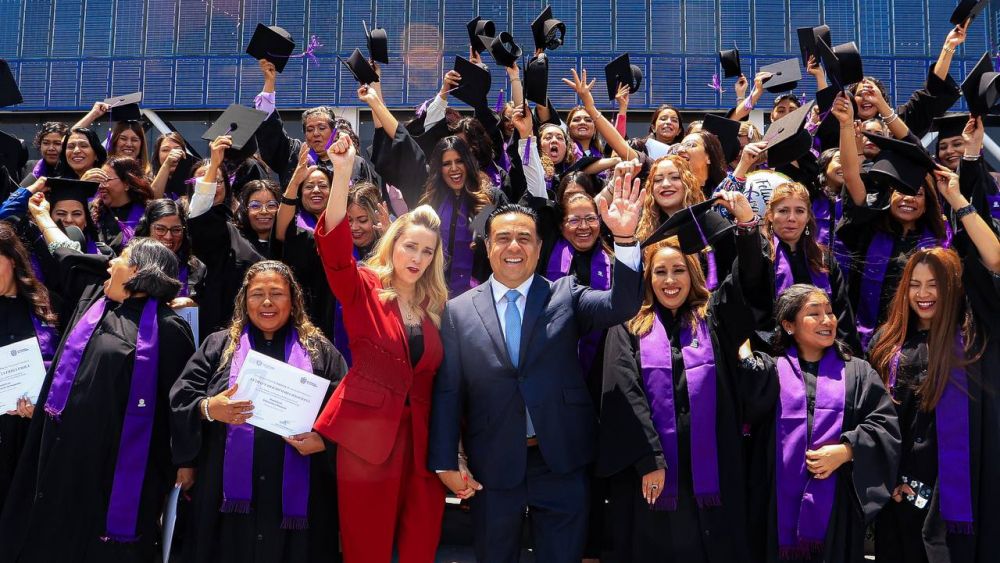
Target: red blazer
{"x": 364, "y": 413}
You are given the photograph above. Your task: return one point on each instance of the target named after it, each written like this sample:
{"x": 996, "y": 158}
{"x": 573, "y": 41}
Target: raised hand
{"x": 522, "y": 121}
{"x": 218, "y": 147}
{"x": 759, "y": 79}
{"x": 622, "y": 98}
{"x": 843, "y": 110}
{"x": 383, "y": 219}
{"x": 270, "y": 74}
{"x": 947, "y": 185}
{"x": 451, "y": 81}
{"x": 342, "y": 155}
{"x": 741, "y": 86}
{"x": 368, "y": 95}
{"x": 38, "y": 205}
{"x": 622, "y": 214}
{"x": 957, "y": 35}
{"x": 737, "y": 205}
{"x": 973, "y": 135}
{"x": 582, "y": 88}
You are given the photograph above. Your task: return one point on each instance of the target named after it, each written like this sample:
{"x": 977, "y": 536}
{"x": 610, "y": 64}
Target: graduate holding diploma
{"x": 258, "y": 496}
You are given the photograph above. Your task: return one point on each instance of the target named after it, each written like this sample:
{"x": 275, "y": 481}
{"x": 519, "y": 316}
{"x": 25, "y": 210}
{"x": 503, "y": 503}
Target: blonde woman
{"x": 379, "y": 415}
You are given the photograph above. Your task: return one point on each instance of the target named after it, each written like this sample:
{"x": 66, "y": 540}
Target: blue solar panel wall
{"x": 188, "y": 54}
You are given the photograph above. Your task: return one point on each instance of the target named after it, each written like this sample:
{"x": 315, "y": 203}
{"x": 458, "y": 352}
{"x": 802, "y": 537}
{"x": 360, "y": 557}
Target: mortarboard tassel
{"x": 527, "y": 152}
{"x": 499, "y": 107}
{"x": 802, "y": 99}
{"x": 107, "y": 141}
{"x": 310, "y": 51}
{"x": 716, "y": 84}
{"x": 712, "y": 281}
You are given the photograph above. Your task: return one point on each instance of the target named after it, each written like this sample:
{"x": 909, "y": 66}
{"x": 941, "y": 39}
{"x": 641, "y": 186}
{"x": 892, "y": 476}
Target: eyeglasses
{"x": 108, "y": 180}
{"x": 257, "y": 206}
{"x": 690, "y": 145}
{"x": 318, "y": 187}
{"x": 162, "y": 231}
{"x": 574, "y": 222}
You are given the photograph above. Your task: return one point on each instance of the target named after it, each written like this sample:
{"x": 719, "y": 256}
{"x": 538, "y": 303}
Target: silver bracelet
{"x": 204, "y": 410}
{"x": 948, "y": 50}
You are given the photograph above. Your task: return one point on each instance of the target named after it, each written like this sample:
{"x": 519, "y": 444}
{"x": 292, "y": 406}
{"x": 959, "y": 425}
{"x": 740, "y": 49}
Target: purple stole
{"x": 827, "y": 214}
{"x": 237, "y": 465}
{"x": 600, "y": 278}
{"x": 182, "y": 276}
{"x": 48, "y": 339}
{"x": 340, "y": 339}
{"x": 313, "y": 157}
{"x": 305, "y": 221}
{"x": 493, "y": 172}
{"x": 783, "y": 277}
{"x": 128, "y": 226}
{"x": 42, "y": 168}
{"x": 137, "y": 427}
{"x": 657, "y": 378}
{"x": 994, "y": 203}
{"x": 458, "y": 245}
{"x": 804, "y": 504}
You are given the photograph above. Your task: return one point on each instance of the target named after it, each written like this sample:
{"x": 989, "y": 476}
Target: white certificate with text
{"x": 21, "y": 373}
{"x": 286, "y": 399}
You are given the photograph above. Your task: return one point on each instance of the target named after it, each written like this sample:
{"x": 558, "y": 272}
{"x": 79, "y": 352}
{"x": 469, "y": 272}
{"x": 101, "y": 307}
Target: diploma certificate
{"x": 21, "y": 373}
{"x": 286, "y": 399}
{"x": 190, "y": 314}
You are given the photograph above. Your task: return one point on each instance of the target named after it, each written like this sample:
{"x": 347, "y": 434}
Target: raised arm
{"x": 604, "y": 127}
{"x": 342, "y": 154}
{"x": 813, "y": 67}
{"x": 984, "y": 239}
{"x": 743, "y": 109}
{"x": 167, "y": 169}
{"x": 38, "y": 207}
{"x": 380, "y": 113}
{"x": 952, "y": 42}
{"x": 850, "y": 160}
{"x": 871, "y": 93}
{"x": 95, "y": 113}
{"x": 287, "y": 208}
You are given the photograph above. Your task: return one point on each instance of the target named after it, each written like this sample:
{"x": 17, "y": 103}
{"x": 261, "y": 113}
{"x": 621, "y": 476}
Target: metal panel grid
{"x": 189, "y": 53}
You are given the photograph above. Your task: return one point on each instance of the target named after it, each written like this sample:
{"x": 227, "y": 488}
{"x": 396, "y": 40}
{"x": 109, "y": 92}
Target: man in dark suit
{"x": 512, "y": 377}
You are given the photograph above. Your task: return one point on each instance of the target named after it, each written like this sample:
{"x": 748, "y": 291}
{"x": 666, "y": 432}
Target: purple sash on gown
{"x": 783, "y": 277}
{"x": 600, "y": 278}
{"x": 457, "y": 236}
{"x": 128, "y": 226}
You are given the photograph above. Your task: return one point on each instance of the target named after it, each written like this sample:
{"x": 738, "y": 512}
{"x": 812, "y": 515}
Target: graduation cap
{"x": 696, "y": 227}
{"x": 475, "y": 84}
{"x": 981, "y": 87}
{"x": 240, "y": 122}
{"x": 10, "y": 94}
{"x": 900, "y": 165}
{"x": 545, "y": 29}
{"x": 378, "y": 43}
{"x": 843, "y": 62}
{"x": 272, "y": 43}
{"x": 621, "y": 72}
{"x": 728, "y": 132}
{"x": 950, "y": 125}
{"x": 359, "y": 67}
{"x": 13, "y": 154}
{"x": 808, "y": 37}
{"x": 785, "y": 76}
{"x": 967, "y": 10}
{"x": 787, "y": 138}
{"x": 477, "y": 27}
{"x": 502, "y": 48}
{"x": 829, "y": 127}
{"x": 62, "y": 189}
{"x": 730, "y": 60}
{"x": 125, "y": 108}
{"x": 536, "y": 79}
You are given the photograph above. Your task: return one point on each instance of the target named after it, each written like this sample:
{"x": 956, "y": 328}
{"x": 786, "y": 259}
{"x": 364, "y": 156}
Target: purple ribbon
{"x": 313, "y": 157}
{"x": 526, "y": 157}
{"x": 107, "y": 142}
{"x": 827, "y": 214}
{"x": 712, "y": 279}
{"x": 305, "y": 220}
{"x": 457, "y": 234}
{"x": 128, "y": 226}
{"x": 657, "y": 376}
{"x": 237, "y": 468}
{"x": 47, "y": 337}
{"x": 804, "y": 504}
{"x": 783, "y": 277}
{"x": 42, "y": 168}
{"x": 600, "y": 278}
{"x": 310, "y": 51}
{"x": 499, "y": 107}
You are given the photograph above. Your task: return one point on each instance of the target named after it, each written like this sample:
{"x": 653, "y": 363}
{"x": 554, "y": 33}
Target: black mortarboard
{"x": 689, "y": 225}
{"x": 621, "y": 72}
{"x": 359, "y": 67}
{"x": 272, "y": 43}
{"x": 808, "y": 37}
{"x": 378, "y": 43}
{"x": 785, "y": 76}
{"x": 843, "y": 62}
{"x": 502, "y": 47}
{"x": 125, "y": 108}
{"x": 10, "y": 94}
{"x": 475, "y": 84}
{"x": 536, "y": 79}
{"x": 981, "y": 87}
{"x": 636, "y": 79}
{"x": 477, "y": 27}
{"x": 730, "y": 60}
{"x": 547, "y": 31}
{"x": 61, "y": 189}
{"x": 829, "y": 127}
{"x": 728, "y": 132}
{"x": 13, "y": 154}
{"x": 950, "y": 125}
{"x": 967, "y": 10}
{"x": 239, "y": 122}
{"x": 900, "y": 165}
{"x": 787, "y": 138}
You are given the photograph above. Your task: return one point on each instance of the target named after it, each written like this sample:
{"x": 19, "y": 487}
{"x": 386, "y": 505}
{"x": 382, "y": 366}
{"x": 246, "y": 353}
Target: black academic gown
{"x": 298, "y": 250}
{"x": 630, "y": 445}
{"x": 57, "y": 507}
{"x": 863, "y": 485}
{"x": 109, "y": 231}
{"x": 213, "y": 536}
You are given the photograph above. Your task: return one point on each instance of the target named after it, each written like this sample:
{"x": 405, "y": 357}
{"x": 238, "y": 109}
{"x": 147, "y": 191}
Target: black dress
{"x": 214, "y": 536}
{"x": 57, "y": 507}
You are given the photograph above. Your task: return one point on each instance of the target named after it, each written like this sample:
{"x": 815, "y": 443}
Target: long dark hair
{"x": 476, "y": 137}
{"x": 242, "y": 213}
{"x": 137, "y": 186}
{"x": 158, "y": 209}
{"x": 27, "y": 284}
{"x": 435, "y": 190}
{"x": 135, "y": 127}
{"x": 932, "y": 219}
{"x": 787, "y": 307}
{"x": 717, "y": 166}
{"x": 656, "y": 115}
{"x": 154, "y": 157}
{"x": 100, "y": 155}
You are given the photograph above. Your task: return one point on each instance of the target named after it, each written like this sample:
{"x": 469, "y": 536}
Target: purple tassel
{"x": 716, "y": 84}
{"x": 527, "y": 152}
{"x": 107, "y": 141}
{"x": 499, "y": 107}
{"x": 309, "y": 52}
{"x": 235, "y": 506}
{"x": 802, "y": 99}
{"x": 294, "y": 523}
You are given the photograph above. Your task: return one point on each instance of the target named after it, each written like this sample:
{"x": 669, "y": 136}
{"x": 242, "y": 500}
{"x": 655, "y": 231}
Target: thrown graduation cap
{"x": 785, "y": 76}
{"x": 621, "y": 72}
{"x": 475, "y": 83}
{"x": 730, "y": 60}
{"x": 696, "y": 227}
{"x": 239, "y": 122}
{"x": 378, "y": 43}
{"x": 808, "y": 37}
{"x": 536, "y": 79}
{"x": 502, "y": 48}
{"x": 478, "y": 27}
{"x": 62, "y": 189}
{"x": 981, "y": 87}
{"x": 967, "y": 10}
{"x": 787, "y": 138}
{"x": 547, "y": 31}
{"x": 271, "y": 43}
{"x": 125, "y": 108}
{"x": 10, "y": 94}
{"x": 13, "y": 154}
{"x": 843, "y": 62}
{"x": 900, "y": 165}
{"x": 950, "y": 125}
{"x": 360, "y": 68}
{"x": 728, "y": 132}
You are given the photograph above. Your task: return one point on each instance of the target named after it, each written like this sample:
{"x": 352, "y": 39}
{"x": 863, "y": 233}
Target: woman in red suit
{"x": 379, "y": 415}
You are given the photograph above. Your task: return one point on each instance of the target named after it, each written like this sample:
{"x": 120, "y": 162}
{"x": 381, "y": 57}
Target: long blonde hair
{"x": 650, "y": 219}
{"x": 431, "y": 292}
{"x": 696, "y": 305}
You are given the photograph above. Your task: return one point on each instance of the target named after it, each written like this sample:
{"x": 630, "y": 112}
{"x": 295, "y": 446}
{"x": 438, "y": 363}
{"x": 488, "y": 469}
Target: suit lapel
{"x": 538, "y": 294}
{"x": 483, "y": 301}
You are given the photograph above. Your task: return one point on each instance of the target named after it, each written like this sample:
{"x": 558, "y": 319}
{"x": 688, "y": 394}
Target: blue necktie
{"x": 512, "y": 334}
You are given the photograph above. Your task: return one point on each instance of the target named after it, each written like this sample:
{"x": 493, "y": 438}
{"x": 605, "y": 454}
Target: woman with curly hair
{"x": 48, "y": 141}
{"x": 257, "y": 494}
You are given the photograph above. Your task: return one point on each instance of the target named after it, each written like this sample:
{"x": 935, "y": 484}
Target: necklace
{"x": 410, "y": 317}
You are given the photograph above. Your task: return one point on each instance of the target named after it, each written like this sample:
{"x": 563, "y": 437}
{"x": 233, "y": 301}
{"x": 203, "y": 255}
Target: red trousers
{"x": 386, "y": 502}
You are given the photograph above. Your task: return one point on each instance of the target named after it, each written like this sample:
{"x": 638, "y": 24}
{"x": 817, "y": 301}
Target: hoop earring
{"x": 807, "y": 231}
